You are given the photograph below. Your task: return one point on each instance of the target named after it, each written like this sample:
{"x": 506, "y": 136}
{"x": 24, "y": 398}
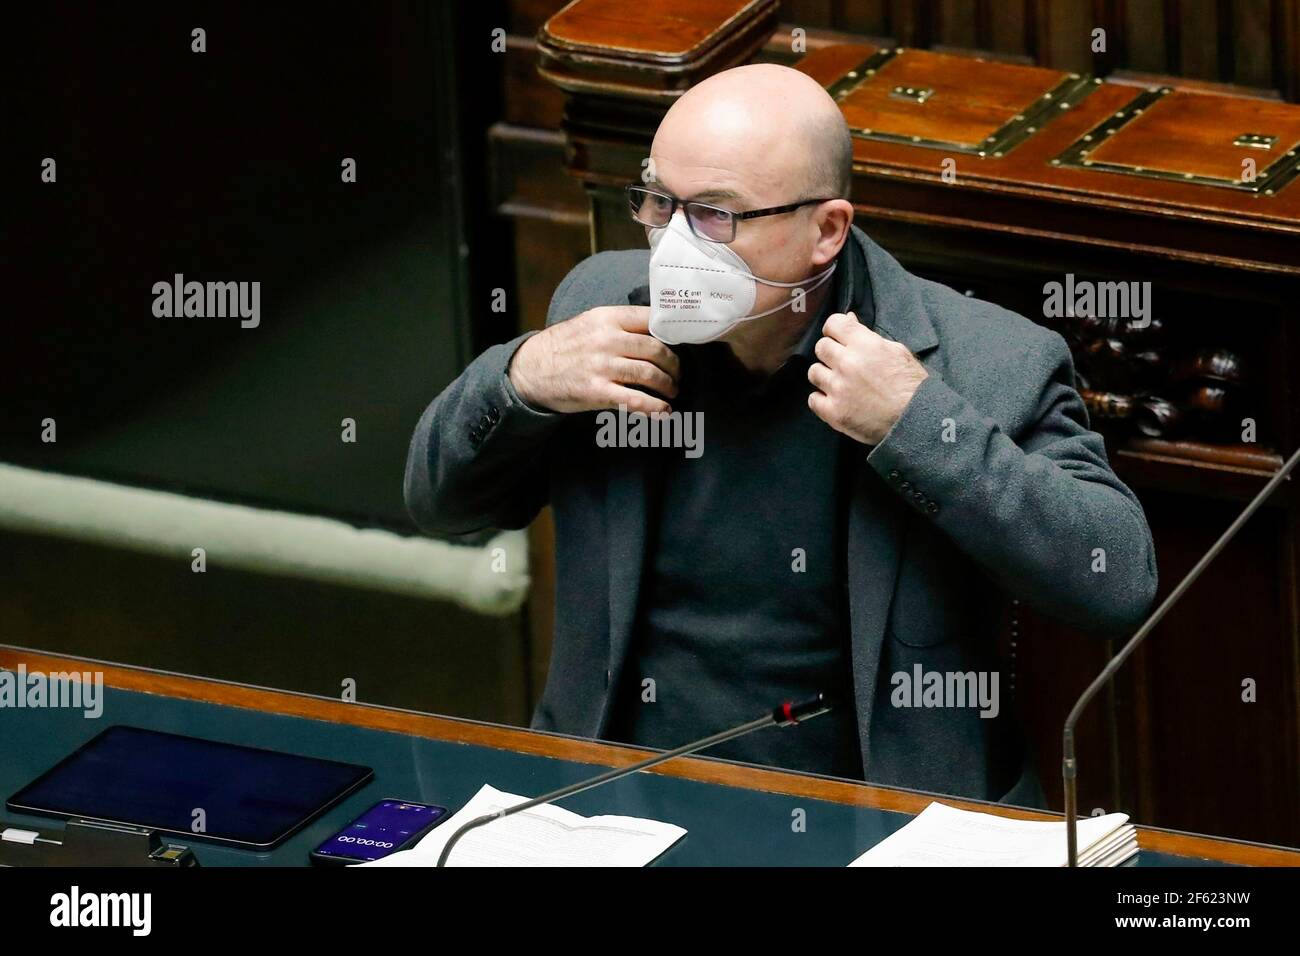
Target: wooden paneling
{"x": 1146, "y": 39}
{"x": 1195, "y": 730}
{"x": 528, "y": 99}
{"x": 1252, "y": 43}
{"x": 547, "y": 209}
{"x": 1173, "y": 740}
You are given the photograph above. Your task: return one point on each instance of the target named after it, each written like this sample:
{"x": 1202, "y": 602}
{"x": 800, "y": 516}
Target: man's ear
{"x": 832, "y": 220}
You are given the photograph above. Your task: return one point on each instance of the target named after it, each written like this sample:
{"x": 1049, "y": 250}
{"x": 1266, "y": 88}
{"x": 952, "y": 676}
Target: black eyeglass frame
{"x": 735, "y": 216}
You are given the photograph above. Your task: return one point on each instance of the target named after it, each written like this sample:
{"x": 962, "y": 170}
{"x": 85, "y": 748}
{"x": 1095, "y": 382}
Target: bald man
{"x": 858, "y": 469}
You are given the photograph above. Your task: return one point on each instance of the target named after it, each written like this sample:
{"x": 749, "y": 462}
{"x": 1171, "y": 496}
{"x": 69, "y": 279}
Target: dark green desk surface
{"x": 728, "y": 825}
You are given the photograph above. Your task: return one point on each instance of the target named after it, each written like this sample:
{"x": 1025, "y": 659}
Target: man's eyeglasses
{"x": 650, "y": 207}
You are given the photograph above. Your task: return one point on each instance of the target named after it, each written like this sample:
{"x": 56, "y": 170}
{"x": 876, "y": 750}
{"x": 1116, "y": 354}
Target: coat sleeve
{"x": 1042, "y": 513}
{"x": 477, "y": 459}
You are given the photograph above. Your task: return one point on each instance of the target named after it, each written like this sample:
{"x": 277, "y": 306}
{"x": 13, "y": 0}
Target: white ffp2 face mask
{"x": 699, "y": 290}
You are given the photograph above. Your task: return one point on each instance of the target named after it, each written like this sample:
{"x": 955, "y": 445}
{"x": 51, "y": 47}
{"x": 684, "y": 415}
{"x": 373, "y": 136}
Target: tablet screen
{"x": 196, "y": 788}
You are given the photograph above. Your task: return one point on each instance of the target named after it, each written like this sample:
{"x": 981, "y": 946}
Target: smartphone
{"x": 388, "y": 826}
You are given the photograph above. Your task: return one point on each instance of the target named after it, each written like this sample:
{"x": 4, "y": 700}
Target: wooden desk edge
{"x": 519, "y": 740}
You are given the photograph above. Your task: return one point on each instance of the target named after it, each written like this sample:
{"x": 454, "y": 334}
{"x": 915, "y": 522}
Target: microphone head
{"x": 791, "y": 713}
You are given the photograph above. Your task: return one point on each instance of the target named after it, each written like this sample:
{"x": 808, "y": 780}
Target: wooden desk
{"x": 531, "y": 761}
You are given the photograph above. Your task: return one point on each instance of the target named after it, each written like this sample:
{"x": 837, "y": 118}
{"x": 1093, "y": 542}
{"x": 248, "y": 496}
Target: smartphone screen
{"x": 388, "y": 826}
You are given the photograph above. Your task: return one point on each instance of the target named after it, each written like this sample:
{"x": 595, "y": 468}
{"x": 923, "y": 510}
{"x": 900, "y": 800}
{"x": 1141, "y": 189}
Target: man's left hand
{"x": 863, "y": 381}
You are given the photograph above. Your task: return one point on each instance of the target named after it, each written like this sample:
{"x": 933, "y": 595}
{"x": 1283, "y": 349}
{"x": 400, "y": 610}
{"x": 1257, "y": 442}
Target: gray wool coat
{"x": 989, "y": 486}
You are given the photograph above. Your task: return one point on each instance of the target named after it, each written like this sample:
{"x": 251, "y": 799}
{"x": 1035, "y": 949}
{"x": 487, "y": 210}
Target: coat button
{"x": 894, "y": 475}
{"x": 905, "y": 485}
{"x": 932, "y": 507}
{"x": 494, "y": 414}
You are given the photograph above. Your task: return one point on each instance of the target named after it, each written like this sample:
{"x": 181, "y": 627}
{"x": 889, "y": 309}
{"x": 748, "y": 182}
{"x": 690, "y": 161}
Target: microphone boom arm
{"x": 785, "y": 715}
{"x": 1069, "y": 766}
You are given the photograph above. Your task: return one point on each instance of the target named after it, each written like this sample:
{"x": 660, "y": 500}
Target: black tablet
{"x": 201, "y": 789}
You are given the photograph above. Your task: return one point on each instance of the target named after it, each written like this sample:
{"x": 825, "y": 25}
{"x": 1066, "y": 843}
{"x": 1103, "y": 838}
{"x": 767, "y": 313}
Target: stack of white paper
{"x": 944, "y": 836}
{"x": 542, "y": 836}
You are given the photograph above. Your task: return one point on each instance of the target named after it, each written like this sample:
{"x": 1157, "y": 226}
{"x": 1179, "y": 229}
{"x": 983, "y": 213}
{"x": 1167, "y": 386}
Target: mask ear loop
{"x": 787, "y": 285}
{"x": 820, "y": 278}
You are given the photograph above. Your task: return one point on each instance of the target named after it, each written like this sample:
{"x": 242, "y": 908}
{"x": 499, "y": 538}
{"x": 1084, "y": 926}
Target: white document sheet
{"x": 941, "y": 835}
{"x": 543, "y": 836}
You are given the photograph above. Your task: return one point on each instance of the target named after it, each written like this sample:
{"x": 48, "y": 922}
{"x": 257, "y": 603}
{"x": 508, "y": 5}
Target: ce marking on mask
{"x": 686, "y": 299}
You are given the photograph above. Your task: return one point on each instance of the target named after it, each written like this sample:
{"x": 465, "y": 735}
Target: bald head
{"x": 773, "y": 129}
{"x": 756, "y": 139}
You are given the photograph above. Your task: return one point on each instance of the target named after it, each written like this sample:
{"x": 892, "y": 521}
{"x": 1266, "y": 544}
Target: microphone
{"x": 787, "y": 714}
{"x": 1069, "y": 766}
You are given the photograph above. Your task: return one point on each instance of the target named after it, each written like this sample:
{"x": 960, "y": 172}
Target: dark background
{"x": 225, "y": 166}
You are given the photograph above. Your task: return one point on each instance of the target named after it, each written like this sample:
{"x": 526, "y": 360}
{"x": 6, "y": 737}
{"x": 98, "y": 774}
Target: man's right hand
{"x": 591, "y": 362}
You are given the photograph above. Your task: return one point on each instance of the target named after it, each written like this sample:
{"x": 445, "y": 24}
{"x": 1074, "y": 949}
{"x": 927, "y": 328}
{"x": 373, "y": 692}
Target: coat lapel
{"x": 625, "y": 522}
{"x": 877, "y": 516}
{"x": 875, "y": 537}
{"x": 627, "y": 491}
